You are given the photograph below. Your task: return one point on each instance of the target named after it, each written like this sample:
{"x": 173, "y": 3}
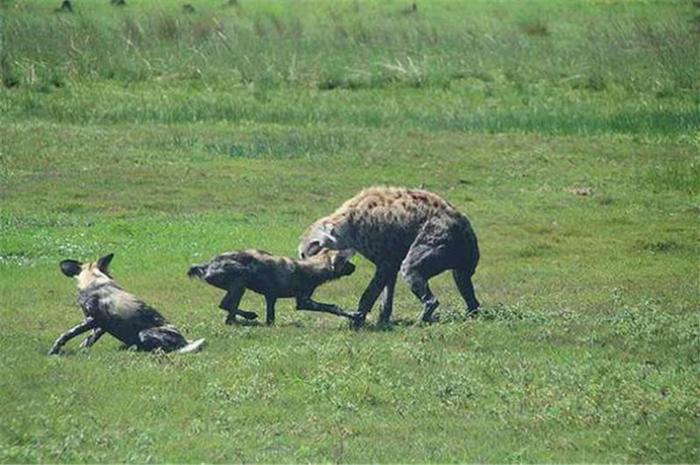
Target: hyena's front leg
{"x": 230, "y": 303}
{"x": 96, "y": 334}
{"x": 382, "y": 276}
{"x": 386, "y": 306}
{"x": 86, "y": 325}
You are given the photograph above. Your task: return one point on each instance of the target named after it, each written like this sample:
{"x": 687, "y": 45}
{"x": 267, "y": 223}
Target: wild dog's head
{"x": 88, "y": 273}
{"x": 323, "y": 234}
{"x": 338, "y": 260}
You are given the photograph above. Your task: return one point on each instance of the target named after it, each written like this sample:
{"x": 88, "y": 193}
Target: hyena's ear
{"x": 71, "y": 268}
{"x": 327, "y": 231}
{"x": 103, "y": 263}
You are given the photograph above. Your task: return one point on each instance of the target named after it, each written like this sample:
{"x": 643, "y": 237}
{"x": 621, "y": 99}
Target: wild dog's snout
{"x": 196, "y": 271}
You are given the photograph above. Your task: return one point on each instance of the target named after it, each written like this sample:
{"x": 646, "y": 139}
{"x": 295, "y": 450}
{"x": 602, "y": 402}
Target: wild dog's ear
{"x": 103, "y": 263}
{"x": 71, "y": 268}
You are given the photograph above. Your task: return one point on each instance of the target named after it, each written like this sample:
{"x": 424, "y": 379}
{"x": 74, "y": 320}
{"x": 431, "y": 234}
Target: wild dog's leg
{"x": 230, "y": 303}
{"x": 382, "y": 275}
{"x": 86, "y": 325}
{"x": 463, "y": 280}
{"x": 93, "y": 337}
{"x": 306, "y": 303}
{"x": 386, "y": 306}
{"x": 270, "y": 310}
{"x": 167, "y": 338}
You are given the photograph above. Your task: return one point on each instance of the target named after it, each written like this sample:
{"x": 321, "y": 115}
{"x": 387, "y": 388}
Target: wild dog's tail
{"x": 192, "y": 347}
{"x": 197, "y": 271}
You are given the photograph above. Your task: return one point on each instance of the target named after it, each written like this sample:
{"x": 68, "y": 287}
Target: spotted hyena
{"x": 274, "y": 277}
{"x": 409, "y": 230}
{"x": 110, "y": 309}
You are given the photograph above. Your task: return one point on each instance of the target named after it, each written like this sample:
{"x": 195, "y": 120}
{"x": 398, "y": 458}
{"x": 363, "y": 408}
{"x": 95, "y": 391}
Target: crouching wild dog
{"x": 274, "y": 277}
{"x": 110, "y": 309}
{"x": 408, "y": 230}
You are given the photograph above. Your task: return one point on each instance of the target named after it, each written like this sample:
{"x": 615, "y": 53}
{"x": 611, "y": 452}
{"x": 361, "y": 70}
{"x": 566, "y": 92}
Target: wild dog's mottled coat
{"x": 274, "y": 277}
{"x": 411, "y": 230}
{"x": 110, "y": 309}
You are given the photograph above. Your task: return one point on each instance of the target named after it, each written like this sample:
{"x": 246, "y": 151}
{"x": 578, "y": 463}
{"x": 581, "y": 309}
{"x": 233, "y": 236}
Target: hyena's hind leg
{"x": 230, "y": 304}
{"x": 420, "y": 288}
{"x": 166, "y": 338}
{"x": 270, "y": 310}
{"x": 439, "y": 247}
{"x": 463, "y": 280}
{"x": 422, "y": 262}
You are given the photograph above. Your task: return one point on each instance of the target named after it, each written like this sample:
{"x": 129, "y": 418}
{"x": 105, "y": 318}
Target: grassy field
{"x": 168, "y": 136}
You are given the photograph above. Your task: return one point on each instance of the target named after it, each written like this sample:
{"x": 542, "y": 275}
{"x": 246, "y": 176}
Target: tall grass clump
{"x": 267, "y": 40}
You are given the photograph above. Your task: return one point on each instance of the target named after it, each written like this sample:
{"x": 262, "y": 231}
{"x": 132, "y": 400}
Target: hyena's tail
{"x": 192, "y": 347}
{"x": 197, "y": 271}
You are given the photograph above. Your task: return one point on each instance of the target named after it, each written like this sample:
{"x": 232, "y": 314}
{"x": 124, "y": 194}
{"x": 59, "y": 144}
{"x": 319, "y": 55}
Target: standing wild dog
{"x": 410, "y": 230}
{"x": 274, "y": 277}
{"x": 108, "y": 308}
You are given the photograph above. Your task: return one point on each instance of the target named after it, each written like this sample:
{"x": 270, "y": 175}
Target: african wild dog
{"x": 274, "y": 277}
{"x": 410, "y": 230}
{"x": 108, "y": 308}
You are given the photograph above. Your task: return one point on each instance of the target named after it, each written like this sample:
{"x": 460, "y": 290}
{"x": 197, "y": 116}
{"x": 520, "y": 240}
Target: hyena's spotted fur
{"x": 274, "y": 277}
{"x": 110, "y": 309}
{"x": 409, "y": 230}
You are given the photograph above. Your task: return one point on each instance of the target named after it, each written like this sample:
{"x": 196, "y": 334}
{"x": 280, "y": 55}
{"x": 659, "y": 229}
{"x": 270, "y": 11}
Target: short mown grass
{"x": 567, "y": 131}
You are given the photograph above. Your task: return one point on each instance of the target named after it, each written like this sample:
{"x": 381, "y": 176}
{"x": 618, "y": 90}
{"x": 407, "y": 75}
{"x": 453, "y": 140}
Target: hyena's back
{"x": 385, "y": 221}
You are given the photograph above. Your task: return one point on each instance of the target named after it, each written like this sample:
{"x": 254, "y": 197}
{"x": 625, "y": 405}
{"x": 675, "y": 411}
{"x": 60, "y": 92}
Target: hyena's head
{"x": 323, "y": 234}
{"x": 88, "y": 273}
{"x": 337, "y": 260}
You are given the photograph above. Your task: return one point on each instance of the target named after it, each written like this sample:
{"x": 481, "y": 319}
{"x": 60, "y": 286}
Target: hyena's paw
{"x": 248, "y": 315}
{"x": 357, "y": 320}
{"x": 231, "y": 317}
{"x": 429, "y": 319}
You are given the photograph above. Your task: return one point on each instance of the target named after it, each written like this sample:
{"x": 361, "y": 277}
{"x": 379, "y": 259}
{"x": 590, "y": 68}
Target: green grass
{"x": 168, "y": 137}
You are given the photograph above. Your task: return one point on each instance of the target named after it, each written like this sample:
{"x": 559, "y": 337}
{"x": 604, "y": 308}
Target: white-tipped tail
{"x": 192, "y": 347}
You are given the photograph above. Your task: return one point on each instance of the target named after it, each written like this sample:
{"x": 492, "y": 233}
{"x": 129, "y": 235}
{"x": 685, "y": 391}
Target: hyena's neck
{"x": 343, "y": 226}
